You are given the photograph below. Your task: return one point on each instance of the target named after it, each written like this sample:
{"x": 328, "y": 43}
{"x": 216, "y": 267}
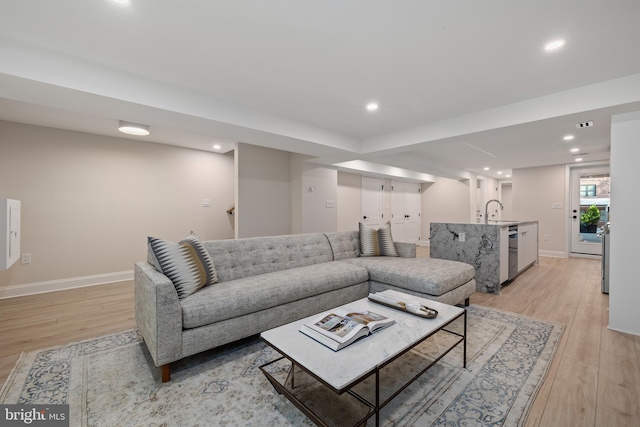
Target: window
{"x": 588, "y": 190}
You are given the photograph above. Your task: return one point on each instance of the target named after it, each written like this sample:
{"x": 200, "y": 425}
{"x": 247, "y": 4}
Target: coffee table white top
{"x": 342, "y": 368}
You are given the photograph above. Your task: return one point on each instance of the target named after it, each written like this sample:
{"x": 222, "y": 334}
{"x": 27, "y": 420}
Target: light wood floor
{"x": 594, "y": 379}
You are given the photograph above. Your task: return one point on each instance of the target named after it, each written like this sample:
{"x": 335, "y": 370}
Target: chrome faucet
{"x": 486, "y": 209}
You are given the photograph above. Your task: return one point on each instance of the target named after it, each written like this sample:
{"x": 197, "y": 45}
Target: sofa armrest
{"x": 158, "y": 313}
{"x": 405, "y": 250}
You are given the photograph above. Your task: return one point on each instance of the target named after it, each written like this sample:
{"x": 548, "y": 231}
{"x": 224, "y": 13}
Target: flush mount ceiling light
{"x": 568, "y": 137}
{"x": 217, "y": 146}
{"x": 579, "y": 159}
{"x": 486, "y": 168}
{"x": 372, "y": 106}
{"x": 133, "y": 128}
{"x": 575, "y": 150}
{"x": 554, "y": 45}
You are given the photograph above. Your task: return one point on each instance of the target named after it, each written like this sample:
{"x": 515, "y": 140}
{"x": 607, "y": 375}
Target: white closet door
{"x": 372, "y": 201}
{"x": 406, "y": 211}
{"x": 413, "y": 206}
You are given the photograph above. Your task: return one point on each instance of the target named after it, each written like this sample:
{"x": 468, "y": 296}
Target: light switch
{"x": 331, "y": 203}
{"x": 462, "y": 237}
{"x": 556, "y": 205}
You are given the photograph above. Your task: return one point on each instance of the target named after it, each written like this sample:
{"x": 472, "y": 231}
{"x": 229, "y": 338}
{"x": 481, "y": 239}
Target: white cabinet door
{"x": 527, "y": 245}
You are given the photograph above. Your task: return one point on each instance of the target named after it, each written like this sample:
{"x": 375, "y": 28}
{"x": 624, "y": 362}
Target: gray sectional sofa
{"x": 265, "y": 282}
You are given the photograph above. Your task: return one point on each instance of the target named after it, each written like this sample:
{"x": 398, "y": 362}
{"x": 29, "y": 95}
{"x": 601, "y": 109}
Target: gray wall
{"x": 89, "y": 201}
{"x": 314, "y": 196}
{"x": 349, "y": 201}
{"x": 263, "y": 193}
{"x": 446, "y": 200}
{"x": 535, "y": 190}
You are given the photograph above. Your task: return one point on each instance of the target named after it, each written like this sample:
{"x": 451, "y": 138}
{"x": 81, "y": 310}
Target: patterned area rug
{"x": 111, "y": 381}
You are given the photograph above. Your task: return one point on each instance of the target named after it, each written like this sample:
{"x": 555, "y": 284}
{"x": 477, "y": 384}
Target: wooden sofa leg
{"x": 466, "y": 302}
{"x": 166, "y": 373}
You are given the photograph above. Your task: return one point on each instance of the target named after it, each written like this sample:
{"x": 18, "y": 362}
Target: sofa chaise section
{"x": 448, "y": 282}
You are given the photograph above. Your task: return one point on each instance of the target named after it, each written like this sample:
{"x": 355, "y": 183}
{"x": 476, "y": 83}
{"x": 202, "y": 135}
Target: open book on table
{"x": 342, "y": 326}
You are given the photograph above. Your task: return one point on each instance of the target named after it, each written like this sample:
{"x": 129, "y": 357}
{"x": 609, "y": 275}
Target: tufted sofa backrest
{"x": 239, "y": 258}
{"x": 345, "y": 244}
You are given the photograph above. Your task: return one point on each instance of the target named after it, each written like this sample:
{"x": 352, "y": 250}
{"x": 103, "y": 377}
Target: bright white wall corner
{"x": 624, "y": 286}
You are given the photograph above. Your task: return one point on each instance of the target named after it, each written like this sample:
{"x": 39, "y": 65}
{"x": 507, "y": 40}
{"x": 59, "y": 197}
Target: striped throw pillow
{"x": 376, "y": 242}
{"x": 187, "y": 263}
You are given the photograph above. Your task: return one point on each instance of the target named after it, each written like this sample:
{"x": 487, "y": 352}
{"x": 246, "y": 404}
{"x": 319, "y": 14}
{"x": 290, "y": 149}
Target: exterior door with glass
{"x": 590, "y": 188}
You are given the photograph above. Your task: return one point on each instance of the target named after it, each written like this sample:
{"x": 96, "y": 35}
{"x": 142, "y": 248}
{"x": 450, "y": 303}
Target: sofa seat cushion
{"x": 248, "y": 295}
{"x": 425, "y": 275}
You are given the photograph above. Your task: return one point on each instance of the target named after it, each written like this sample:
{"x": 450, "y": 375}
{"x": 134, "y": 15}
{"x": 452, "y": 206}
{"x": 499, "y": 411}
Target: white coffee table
{"x": 313, "y": 365}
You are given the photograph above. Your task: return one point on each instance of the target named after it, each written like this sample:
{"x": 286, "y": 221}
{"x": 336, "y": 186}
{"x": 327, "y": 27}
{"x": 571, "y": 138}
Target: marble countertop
{"x": 507, "y": 222}
{"x": 499, "y": 222}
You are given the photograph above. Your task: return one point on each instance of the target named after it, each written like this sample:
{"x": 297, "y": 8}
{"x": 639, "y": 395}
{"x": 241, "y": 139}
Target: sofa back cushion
{"x": 345, "y": 244}
{"x": 240, "y": 258}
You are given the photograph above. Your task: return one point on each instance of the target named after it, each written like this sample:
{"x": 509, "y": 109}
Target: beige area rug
{"x": 111, "y": 381}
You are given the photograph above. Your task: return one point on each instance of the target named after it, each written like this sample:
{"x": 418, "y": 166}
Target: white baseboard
{"x": 59, "y": 285}
{"x": 588, "y": 256}
{"x": 623, "y": 331}
{"x": 553, "y": 254}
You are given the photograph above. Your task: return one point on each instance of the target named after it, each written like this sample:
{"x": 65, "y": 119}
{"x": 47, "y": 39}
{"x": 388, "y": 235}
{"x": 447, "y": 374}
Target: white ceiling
{"x": 461, "y": 84}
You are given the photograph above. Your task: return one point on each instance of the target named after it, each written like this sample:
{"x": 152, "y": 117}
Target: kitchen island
{"x": 498, "y": 250}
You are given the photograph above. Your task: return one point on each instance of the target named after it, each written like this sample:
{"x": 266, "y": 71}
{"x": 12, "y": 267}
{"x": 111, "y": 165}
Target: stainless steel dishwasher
{"x": 513, "y": 251}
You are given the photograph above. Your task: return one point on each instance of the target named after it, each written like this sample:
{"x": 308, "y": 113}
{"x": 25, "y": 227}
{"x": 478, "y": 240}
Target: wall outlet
{"x": 206, "y": 203}
{"x": 462, "y": 237}
{"x": 26, "y": 259}
{"x": 546, "y": 237}
{"x": 556, "y": 205}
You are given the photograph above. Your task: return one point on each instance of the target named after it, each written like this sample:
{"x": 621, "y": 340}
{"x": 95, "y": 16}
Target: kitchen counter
{"x": 507, "y": 222}
{"x": 486, "y": 247}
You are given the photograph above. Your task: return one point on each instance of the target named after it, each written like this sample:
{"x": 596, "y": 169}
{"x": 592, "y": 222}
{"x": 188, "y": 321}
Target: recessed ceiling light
{"x": 499, "y": 172}
{"x": 486, "y": 168}
{"x": 575, "y": 150}
{"x": 133, "y": 128}
{"x": 122, "y": 1}
{"x": 372, "y": 106}
{"x": 579, "y": 159}
{"x": 507, "y": 176}
{"x": 217, "y": 146}
{"x": 568, "y": 137}
{"x": 556, "y": 44}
